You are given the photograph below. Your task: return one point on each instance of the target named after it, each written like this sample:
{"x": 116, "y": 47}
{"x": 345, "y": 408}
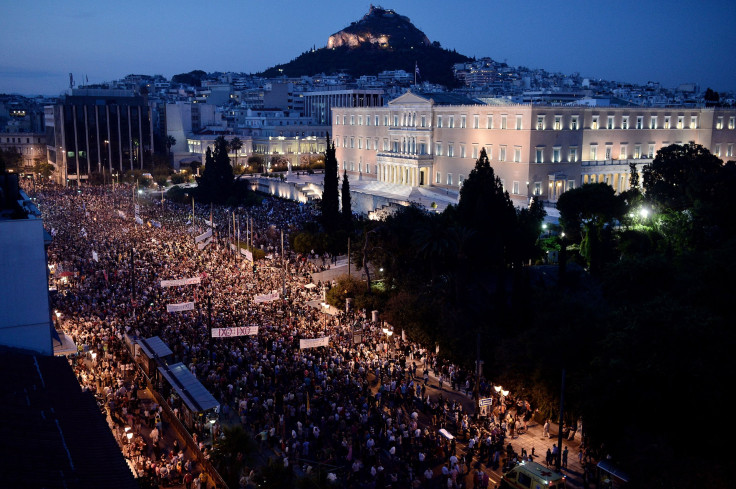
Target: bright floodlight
{"x": 643, "y": 212}
{"x": 140, "y": 191}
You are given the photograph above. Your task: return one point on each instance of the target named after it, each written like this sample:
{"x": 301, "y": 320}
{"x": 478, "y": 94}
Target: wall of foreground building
{"x": 24, "y": 303}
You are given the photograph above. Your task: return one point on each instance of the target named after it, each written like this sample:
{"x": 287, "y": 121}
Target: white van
{"x": 531, "y": 475}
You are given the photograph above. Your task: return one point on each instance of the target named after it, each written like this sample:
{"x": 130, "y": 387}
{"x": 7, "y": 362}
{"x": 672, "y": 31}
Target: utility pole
{"x": 209, "y": 322}
{"x": 476, "y": 389}
{"x": 558, "y": 459}
{"x": 283, "y": 265}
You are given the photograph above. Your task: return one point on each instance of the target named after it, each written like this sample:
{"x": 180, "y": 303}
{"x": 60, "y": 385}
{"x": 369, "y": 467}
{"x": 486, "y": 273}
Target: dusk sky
{"x": 634, "y": 41}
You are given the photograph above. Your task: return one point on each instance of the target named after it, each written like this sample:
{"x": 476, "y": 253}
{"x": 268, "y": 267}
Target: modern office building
{"x": 95, "y": 129}
{"x": 539, "y": 150}
{"x": 319, "y": 105}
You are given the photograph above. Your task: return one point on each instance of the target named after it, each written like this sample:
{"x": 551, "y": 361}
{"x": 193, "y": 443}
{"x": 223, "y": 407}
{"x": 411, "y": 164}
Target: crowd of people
{"x": 361, "y": 408}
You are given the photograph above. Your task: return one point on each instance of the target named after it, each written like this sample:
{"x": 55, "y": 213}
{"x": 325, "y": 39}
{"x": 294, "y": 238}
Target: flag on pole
{"x": 416, "y": 68}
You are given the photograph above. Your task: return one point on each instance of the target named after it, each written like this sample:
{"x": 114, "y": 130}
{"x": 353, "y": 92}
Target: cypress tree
{"x": 330, "y": 199}
{"x": 347, "y": 211}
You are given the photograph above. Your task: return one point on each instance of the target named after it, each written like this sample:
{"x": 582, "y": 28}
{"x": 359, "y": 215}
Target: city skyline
{"x": 665, "y": 42}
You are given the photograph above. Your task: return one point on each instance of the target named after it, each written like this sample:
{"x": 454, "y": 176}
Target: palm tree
{"x": 170, "y": 141}
{"x": 234, "y": 145}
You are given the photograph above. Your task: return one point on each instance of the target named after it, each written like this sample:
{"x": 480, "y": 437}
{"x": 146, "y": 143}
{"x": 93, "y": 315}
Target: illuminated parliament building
{"x": 540, "y": 150}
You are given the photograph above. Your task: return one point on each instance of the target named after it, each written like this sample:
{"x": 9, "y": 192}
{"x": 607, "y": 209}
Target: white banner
{"x": 267, "y": 297}
{"x": 183, "y": 306}
{"x": 156, "y": 224}
{"x": 209, "y": 223}
{"x": 248, "y": 255}
{"x": 203, "y": 244}
{"x": 180, "y": 282}
{"x": 234, "y": 332}
{"x": 95, "y": 257}
{"x": 137, "y": 209}
{"x": 138, "y": 220}
{"x": 314, "y": 342}
{"x": 203, "y": 236}
{"x": 121, "y": 214}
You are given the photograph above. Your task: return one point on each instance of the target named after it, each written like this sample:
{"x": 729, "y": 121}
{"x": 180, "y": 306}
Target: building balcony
{"x": 417, "y": 160}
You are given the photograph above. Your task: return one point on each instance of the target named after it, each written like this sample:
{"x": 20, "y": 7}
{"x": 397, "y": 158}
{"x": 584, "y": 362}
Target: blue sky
{"x": 671, "y": 42}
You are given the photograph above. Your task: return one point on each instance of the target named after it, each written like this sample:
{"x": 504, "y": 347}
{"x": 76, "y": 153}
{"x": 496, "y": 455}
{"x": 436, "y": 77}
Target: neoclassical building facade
{"x": 535, "y": 149}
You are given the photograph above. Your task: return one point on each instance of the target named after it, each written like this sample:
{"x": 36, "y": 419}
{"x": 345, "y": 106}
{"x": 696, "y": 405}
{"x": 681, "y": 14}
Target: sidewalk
{"x": 532, "y": 439}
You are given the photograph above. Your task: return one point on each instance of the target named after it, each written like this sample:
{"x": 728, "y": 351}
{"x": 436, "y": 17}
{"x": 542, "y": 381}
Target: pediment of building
{"x": 410, "y": 98}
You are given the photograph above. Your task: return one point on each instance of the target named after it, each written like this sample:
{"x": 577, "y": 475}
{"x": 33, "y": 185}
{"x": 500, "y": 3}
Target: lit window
{"x": 439, "y": 121}
{"x": 573, "y": 155}
{"x": 693, "y": 122}
{"x": 438, "y": 149}
{"x": 367, "y": 168}
{"x": 489, "y": 122}
{"x": 503, "y": 122}
{"x": 650, "y": 153}
{"x": 352, "y": 120}
{"x": 639, "y": 122}
{"x": 666, "y": 122}
{"x": 558, "y": 122}
{"x": 731, "y": 122}
{"x": 609, "y": 124}
{"x": 537, "y": 188}
{"x": 556, "y": 154}
{"x": 593, "y": 152}
{"x": 476, "y": 122}
{"x": 396, "y": 121}
{"x": 623, "y": 154}
{"x": 462, "y": 122}
{"x": 518, "y": 122}
{"x": 540, "y": 156}
{"x": 424, "y": 121}
{"x": 517, "y": 154}
{"x": 608, "y": 152}
{"x": 460, "y": 180}
{"x": 475, "y": 152}
{"x": 438, "y": 178}
{"x": 360, "y": 120}
{"x": 516, "y": 188}
{"x": 625, "y": 122}
{"x": 344, "y": 165}
{"x": 451, "y": 150}
{"x": 367, "y": 122}
{"x": 653, "y": 122}
{"x": 729, "y": 150}
{"x": 594, "y": 123}
{"x": 449, "y": 179}
{"x": 717, "y": 151}
{"x": 489, "y": 151}
{"x": 360, "y": 143}
{"x": 352, "y": 142}
{"x": 574, "y": 122}
{"x": 680, "y": 121}
{"x": 451, "y": 122}
{"x": 462, "y": 151}
{"x": 502, "y": 154}
{"x": 637, "y": 151}
{"x": 570, "y": 184}
{"x": 540, "y": 123}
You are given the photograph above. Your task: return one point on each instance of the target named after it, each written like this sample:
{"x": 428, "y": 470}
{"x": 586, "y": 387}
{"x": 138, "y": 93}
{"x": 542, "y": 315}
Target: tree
{"x": 10, "y": 160}
{"x": 215, "y": 184}
{"x": 486, "y": 208}
{"x": 680, "y": 175}
{"x": 231, "y": 453}
{"x": 711, "y": 98}
{"x": 347, "y": 211}
{"x": 42, "y": 168}
{"x": 330, "y": 202}
{"x": 586, "y": 214}
{"x": 633, "y": 176}
{"x": 170, "y": 141}
{"x": 256, "y": 163}
{"x": 235, "y": 144}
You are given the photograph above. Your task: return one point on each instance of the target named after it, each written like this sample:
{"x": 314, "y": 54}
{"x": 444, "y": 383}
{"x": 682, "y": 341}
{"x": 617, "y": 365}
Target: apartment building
{"x": 539, "y": 150}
